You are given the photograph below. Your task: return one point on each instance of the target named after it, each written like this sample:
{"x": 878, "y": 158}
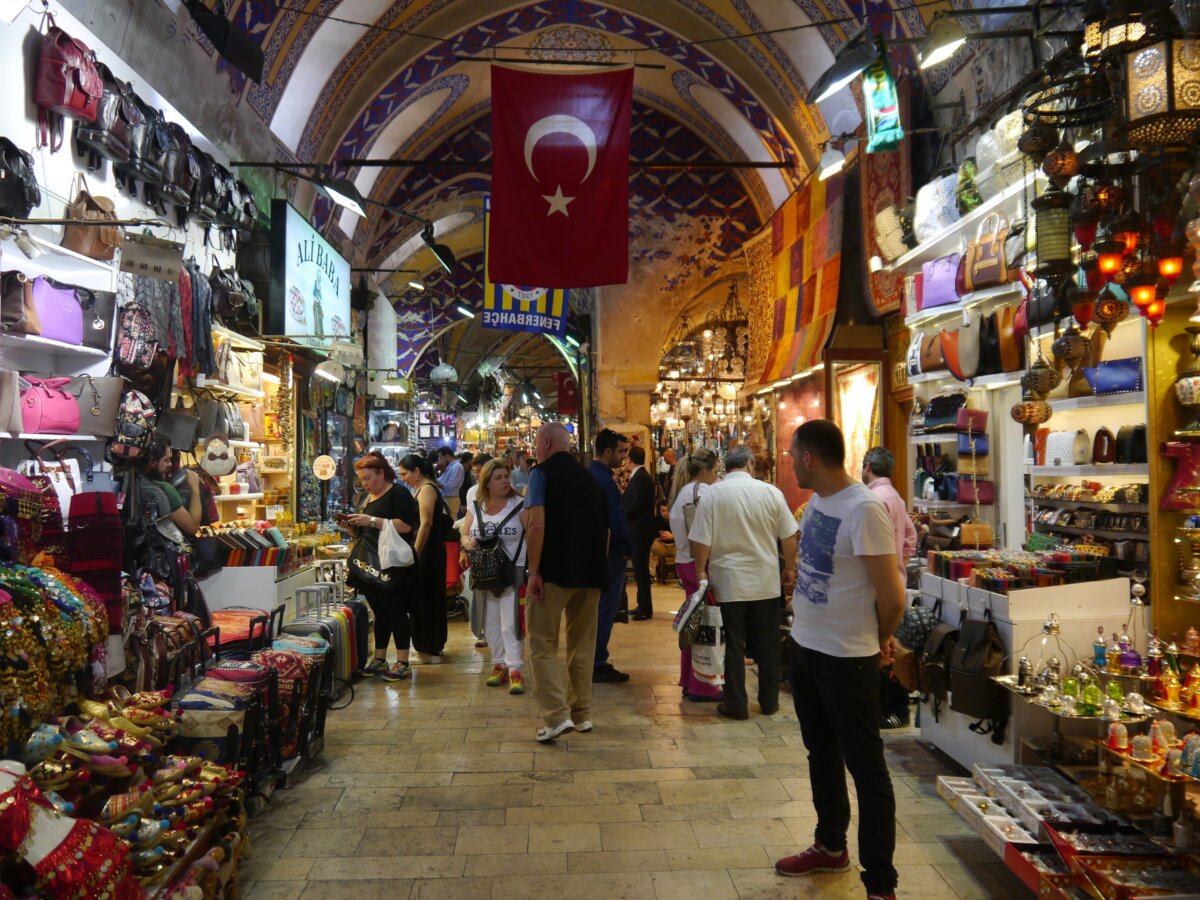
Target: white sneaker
{"x": 547, "y": 734}
{"x": 423, "y": 659}
{"x": 585, "y": 726}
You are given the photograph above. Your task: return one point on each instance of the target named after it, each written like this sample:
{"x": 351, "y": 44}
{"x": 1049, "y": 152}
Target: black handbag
{"x": 978, "y": 656}
{"x": 1131, "y": 445}
{"x": 19, "y": 191}
{"x": 215, "y": 418}
{"x": 180, "y": 427}
{"x": 99, "y": 313}
{"x": 989, "y": 346}
{"x": 228, "y": 297}
{"x": 149, "y": 145}
{"x": 365, "y": 567}
{"x": 942, "y": 412}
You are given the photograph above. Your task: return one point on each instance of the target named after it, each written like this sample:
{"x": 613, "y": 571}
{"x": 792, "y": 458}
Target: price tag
{"x": 274, "y": 512}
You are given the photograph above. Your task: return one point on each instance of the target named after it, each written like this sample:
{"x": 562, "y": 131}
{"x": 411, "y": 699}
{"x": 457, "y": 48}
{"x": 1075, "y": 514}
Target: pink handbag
{"x": 973, "y": 420}
{"x": 59, "y": 311}
{"x": 938, "y": 282}
{"x": 972, "y": 490}
{"x": 47, "y": 408}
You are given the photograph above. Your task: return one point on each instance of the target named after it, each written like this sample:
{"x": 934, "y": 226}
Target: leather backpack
{"x": 110, "y": 135}
{"x": 979, "y": 654}
{"x": 933, "y": 669}
{"x": 181, "y": 168}
{"x": 66, "y": 84}
{"x": 19, "y": 191}
{"x": 150, "y": 144}
{"x": 93, "y": 241}
{"x": 228, "y": 297}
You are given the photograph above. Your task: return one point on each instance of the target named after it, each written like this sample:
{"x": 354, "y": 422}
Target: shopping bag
{"x": 708, "y": 650}
{"x": 689, "y": 617}
{"x": 394, "y": 551}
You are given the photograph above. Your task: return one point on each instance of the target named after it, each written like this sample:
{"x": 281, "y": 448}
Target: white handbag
{"x": 889, "y": 232}
{"x": 914, "y": 354}
{"x": 937, "y": 207}
{"x": 63, "y": 474}
{"x": 1068, "y": 448}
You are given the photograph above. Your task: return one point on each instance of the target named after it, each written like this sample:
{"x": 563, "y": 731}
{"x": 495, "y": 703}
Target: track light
{"x": 416, "y": 285}
{"x": 441, "y": 252}
{"x": 833, "y": 161}
{"x": 851, "y": 61}
{"x": 944, "y": 38}
{"x": 342, "y": 192}
{"x": 463, "y": 311}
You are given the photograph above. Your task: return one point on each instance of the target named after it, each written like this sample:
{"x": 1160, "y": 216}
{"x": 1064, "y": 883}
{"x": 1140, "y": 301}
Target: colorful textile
{"x": 800, "y": 277}
{"x": 886, "y": 181}
{"x": 881, "y": 104}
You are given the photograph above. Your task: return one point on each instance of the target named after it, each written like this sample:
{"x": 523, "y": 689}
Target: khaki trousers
{"x": 557, "y": 700}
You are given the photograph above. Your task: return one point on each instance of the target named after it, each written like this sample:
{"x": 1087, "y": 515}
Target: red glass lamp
{"x": 1110, "y": 256}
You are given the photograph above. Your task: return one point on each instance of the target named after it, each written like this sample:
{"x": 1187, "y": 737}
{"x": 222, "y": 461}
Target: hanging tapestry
{"x": 886, "y": 180}
{"x": 801, "y": 272}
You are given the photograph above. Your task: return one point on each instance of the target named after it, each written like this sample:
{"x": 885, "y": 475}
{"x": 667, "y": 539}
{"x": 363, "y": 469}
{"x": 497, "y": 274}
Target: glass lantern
{"x": 1162, "y": 91}
{"x": 1053, "y": 225}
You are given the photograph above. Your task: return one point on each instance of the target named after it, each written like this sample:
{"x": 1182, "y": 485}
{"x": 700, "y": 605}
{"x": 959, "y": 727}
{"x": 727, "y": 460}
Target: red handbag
{"x": 46, "y": 408}
{"x": 67, "y": 83}
{"x": 975, "y": 490}
{"x": 973, "y": 420}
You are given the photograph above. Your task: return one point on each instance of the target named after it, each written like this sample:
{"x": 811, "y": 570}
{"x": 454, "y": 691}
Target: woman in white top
{"x": 498, "y": 509}
{"x": 693, "y": 474}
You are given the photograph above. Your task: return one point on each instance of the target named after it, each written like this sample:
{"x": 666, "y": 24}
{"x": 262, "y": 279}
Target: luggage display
{"x": 298, "y": 676}
{"x": 241, "y": 630}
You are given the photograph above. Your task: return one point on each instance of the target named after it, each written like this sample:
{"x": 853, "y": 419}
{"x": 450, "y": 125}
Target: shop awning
{"x": 794, "y": 267}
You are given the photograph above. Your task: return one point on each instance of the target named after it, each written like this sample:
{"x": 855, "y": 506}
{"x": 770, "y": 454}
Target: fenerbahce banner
{"x": 509, "y": 307}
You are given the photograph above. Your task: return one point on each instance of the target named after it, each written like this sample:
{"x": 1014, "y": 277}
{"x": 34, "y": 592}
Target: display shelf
{"x": 948, "y": 239}
{"x": 1094, "y": 532}
{"x": 252, "y": 445}
{"x": 60, "y": 263}
{"x": 1092, "y": 504}
{"x": 227, "y": 498}
{"x": 1067, "y": 471}
{"x": 203, "y": 841}
{"x": 940, "y": 504}
{"x": 971, "y": 301}
{"x": 34, "y": 343}
{"x": 1182, "y": 713}
{"x": 1068, "y": 403}
{"x": 990, "y": 382}
{"x": 1009, "y": 683}
{"x": 1153, "y": 767}
{"x": 25, "y": 436}
{"x": 202, "y": 382}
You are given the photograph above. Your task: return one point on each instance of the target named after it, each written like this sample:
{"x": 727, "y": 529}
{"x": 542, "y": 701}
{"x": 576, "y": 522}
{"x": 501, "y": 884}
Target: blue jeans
{"x": 609, "y": 601}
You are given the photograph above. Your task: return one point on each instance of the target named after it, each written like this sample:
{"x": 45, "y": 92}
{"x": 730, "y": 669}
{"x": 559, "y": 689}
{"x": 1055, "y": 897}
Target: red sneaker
{"x": 814, "y": 859}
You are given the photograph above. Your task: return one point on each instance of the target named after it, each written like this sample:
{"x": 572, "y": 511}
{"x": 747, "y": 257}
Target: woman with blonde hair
{"x": 693, "y": 474}
{"x": 497, "y": 516}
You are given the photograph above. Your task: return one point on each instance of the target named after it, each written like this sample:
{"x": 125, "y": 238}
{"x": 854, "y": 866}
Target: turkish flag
{"x": 568, "y": 393}
{"x": 560, "y": 178}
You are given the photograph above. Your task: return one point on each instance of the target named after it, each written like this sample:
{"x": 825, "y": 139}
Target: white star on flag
{"x": 558, "y": 203}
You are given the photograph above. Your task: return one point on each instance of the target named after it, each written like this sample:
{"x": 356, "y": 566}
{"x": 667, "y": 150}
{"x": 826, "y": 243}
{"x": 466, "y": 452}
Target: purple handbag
{"x": 938, "y": 282}
{"x": 59, "y": 311}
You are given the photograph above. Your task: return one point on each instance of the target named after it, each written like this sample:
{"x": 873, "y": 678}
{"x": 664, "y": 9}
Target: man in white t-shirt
{"x": 849, "y": 598}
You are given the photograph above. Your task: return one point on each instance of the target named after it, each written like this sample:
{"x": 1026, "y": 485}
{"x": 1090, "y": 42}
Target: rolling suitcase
{"x": 216, "y": 719}
{"x": 334, "y": 626}
{"x": 242, "y": 630}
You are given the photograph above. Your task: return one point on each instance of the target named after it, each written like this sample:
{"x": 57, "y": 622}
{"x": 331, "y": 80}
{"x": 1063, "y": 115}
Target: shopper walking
{"x": 497, "y": 511}
{"x": 848, "y": 601}
{"x": 878, "y": 465}
{"x": 610, "y": 452}
{"x": 520, "y": 469}
{"x": 692, "y": 479}
{"x": 736, "y": 536}
{"x": 567, "y": 536}
{"x": 450, "y": 479}
{"x": 384, "y": 500}
{"x": 638, "y": 503}
{"x": 429, "y": 609}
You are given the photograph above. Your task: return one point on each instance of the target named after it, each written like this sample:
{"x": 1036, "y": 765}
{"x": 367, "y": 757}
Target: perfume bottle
{"x": 1089, "y": 699}
{"x": 1114, "y": 654}
{"x": 1099, "y": 648}
{"x": 1154, "y": 656}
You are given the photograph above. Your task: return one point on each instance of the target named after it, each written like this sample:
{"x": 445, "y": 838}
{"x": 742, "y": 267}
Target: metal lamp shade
{"x": 1162, "y": 92}
{"x": 1053, "y": 226}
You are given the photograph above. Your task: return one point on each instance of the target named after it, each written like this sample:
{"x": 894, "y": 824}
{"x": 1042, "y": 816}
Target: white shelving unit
{"x": 29, "y": 343}
{"x": 1134, "y": 470}
{"x": 1070, "y": 403}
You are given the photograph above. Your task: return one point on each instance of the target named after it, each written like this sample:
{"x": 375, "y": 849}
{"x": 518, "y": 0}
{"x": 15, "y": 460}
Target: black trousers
{"x": 641, "y": 573}
{"x": 391, "y": 619}
{"x": 837, "y": 703}
{"x": 751, "y": 626}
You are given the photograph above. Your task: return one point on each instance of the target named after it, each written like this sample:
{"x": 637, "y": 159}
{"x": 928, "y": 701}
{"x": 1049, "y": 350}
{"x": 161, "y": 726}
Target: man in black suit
{"x": 638, "y": 503}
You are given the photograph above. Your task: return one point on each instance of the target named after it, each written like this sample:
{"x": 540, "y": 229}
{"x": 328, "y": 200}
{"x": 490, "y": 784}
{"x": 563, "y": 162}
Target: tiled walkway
{"x": 436, "y": 788}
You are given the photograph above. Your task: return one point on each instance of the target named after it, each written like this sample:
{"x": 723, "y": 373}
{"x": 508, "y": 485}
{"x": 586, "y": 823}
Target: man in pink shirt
{"x": 878, "y": 465}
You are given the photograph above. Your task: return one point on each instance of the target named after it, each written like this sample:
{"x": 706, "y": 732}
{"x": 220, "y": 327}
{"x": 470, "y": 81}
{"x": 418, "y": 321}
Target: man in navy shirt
{"x": 612, "y": 450}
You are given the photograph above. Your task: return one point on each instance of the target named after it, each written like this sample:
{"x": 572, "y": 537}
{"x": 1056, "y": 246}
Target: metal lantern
{"x": 1103, "y": 199}
{"x": 1031, "y": 414}
{"x": 1038, "y": 140}
{"x": 1162, "y": 91}
{"x": 1053, "y": 228}
{"x": 1110, "y": 257}
{"x": 1123, "y": 26}
{"x": 1041, "y": 378}
{"x": 1061, "y": 164}
{"x": 1109, "y": 310}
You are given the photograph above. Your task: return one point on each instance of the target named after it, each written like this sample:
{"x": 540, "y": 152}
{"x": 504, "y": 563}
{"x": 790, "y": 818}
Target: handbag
{"x": 960, "y": 347}
{"x": 149, "y": 143}
{"x": 99, "y": 315}
{"x": 95, "y": 241}
{"x": 1131, "y": 445}
{"x": 248, "y": 367}
{"x": 63, "y": 473}
{"x": 365, "y": 567}
{"x": 1065, "y": 448}
{"x": 974, "y": 421}
{"x": 97, "y": 399}
{"x": 1115, "y": 376}
{"x": 110, "y": 134}
{"x": 938, "y": 277}
{"x": 19, "y": 191}
{"x": 975, "y": 535}
{"x": 1104, "y": 447}
{"x": 976, "y": 490}
{"x": 979, "y": 466}
{"x": 975, "y": 443}
{"x": 1012, "y": 346}
{"x": 228, "y": 298}
{"x": 936, "y": 207}
{"x": 66, "y": 83}
{"x": 978, "y": 656}
{"x": 889, "y": 231}
{"x": 1014, "y": 245}
{"x": 179, "y": 426}
{"x": 58, "y": 311}
{"x": 46, "y": 408}
{"x": 180, "y": 170}
{"x": 217, "y": 459}
{"x": 989, "y": 345}
{"x": 913, "y": 360}
{"x": 18, "y": 313}
{"x": 942, "y": 412}
{"x": 984, "y": 265}
{"x": 932, "y": 359}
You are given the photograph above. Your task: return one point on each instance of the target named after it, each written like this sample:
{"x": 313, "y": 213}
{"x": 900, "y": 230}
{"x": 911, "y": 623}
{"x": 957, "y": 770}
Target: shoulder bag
{"x": 99, "y": 315}
{"x": 1115, "y": 376}
{"x": 932, "y": 359}
{"x": 973, "y": 444}
{"x": 1012, "y": 347}
{"x": 971, "y": 420}
{"x": 97, "y": 400}
{"x": 66, "y": 83}
{"x": 179, "y": 426}
{"x": 960, "y": 347}
{"x": 19, "y": 191}
{"x": 95, "y": 241}
{"x": 942, "y": 412}
{"x": 1131, "y": 445}
{"x": 976, "y": 490}
{"x": 938, "y": 282}
{"x": 989, "y": 345}
{"x": 18, "y": 312}
{"x": 689, "y": 509}
{"x": 984, "y": 264}
{"x": 913, "y": 360}
{"x": 1104, "y": 447}
{"x": 46, "y": 407}
{"x": 58, "y": 310}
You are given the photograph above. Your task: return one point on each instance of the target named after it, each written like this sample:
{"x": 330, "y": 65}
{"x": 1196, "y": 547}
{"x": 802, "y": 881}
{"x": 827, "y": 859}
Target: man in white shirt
{"x": 736, "y": 536}
{"x": 848, "y": 601}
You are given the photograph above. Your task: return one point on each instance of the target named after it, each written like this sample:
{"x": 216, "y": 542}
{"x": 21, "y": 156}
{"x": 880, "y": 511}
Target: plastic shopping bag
{"x": 394, "y": 551}
{"x": 708, "y": 650}
{"x": 690, "y": 616}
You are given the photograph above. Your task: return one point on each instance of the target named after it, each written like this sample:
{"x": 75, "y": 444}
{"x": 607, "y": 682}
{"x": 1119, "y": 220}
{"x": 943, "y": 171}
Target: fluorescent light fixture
{"x": 807, "y": 372}
{"x": 416, "y": 285}
{"x": 441, "y": 252}
{"x": 850, "y": 62}
{"x": 833, "y": 161}
{"x": 570, "y": 340}
{"x": 330, "y": 370}
{"x": 394, "y": 384}
{"x": 783, "y": 382}
{"x": 765, "y": 390}
{"x": 944, "y": 38}
{"x": 463, "y": 311}
{"x": 537, "y": 394}
{"x": 460, "y": 396}
{"x": 271, "y": 378}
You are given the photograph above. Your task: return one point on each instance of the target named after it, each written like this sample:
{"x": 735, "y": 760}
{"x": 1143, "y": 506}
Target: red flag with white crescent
{"x": 568, "y": 393}
{"x": 560, "y": 178}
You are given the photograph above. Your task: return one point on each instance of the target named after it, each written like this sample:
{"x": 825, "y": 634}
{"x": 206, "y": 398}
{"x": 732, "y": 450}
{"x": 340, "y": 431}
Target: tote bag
{"x": 708, "y": 650}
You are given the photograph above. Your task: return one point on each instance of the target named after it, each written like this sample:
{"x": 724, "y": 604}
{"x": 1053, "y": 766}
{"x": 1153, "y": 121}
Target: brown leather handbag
{"x": 1104, "y": 447}
{"x": 932, "y": 359}
{"x": 18, "y": 313}
{"x": 93, "y": 241}
{"x": 983, "y": 265}
{"x": 960, "y": 348}
{"x": 1011, "y": 346}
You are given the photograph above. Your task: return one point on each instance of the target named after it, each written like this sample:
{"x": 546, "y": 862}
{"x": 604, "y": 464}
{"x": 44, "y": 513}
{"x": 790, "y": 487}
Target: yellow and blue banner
{"x": 510, "y": 307}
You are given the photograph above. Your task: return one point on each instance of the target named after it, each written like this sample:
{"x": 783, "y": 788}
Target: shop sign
{"x": 324, "y": 467}
{"x": 310, "y": 282}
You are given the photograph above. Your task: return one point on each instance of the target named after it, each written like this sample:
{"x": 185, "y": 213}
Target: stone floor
{"x": 436, "y": 788}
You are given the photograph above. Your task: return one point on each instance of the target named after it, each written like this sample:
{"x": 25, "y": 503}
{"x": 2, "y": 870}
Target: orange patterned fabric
{"x": 805, "y": 260}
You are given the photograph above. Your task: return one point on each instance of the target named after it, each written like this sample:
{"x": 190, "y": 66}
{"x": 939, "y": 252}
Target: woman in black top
{"x": 393, "y": 605}
{"x": 429, "y": 610}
